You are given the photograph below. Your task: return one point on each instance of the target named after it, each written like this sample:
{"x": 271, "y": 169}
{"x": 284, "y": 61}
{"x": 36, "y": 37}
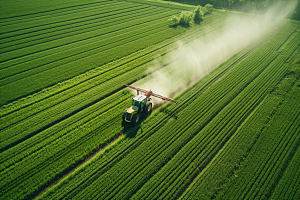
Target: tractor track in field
{"x": 114, "y": 141}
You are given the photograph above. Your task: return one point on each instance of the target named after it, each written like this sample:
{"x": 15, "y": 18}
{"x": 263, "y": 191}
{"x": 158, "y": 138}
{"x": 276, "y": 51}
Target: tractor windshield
{"x": 136, "y": 103}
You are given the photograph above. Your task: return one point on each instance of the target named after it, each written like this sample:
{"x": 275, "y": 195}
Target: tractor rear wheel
{"x": 148, "y": 108}
{"x": 124, "y": 113}
{"x": 136, "y": 118}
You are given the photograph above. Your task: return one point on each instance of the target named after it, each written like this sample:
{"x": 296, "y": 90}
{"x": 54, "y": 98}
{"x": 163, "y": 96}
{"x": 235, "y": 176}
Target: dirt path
{"x": 79, "y": 165}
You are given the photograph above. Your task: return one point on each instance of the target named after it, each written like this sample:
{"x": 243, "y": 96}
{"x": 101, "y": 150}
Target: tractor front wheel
{"x": 148, "y": 108}
{"x": 136, "y": 118}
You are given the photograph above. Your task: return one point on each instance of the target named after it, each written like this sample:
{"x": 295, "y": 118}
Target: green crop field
{"x": 234, "y": 134}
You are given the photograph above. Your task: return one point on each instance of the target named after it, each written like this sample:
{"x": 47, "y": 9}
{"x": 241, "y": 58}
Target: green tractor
{"x": 140, "y": 103}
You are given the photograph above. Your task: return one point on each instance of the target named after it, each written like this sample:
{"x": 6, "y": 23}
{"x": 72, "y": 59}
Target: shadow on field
{"x": 179, "y": 25}
{"x": 130, "y": 130}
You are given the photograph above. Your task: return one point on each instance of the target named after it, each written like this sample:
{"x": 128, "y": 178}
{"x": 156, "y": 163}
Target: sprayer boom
{"x": 150, "y": 93}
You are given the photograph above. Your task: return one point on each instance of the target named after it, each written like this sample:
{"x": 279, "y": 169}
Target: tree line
{"x": 242, "y": 5}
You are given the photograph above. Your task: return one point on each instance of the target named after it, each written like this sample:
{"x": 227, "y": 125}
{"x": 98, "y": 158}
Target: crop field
{"x": 234, "y": 133}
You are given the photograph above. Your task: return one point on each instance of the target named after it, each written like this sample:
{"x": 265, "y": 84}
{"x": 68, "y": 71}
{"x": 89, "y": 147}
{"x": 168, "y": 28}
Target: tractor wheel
{"x": 124, "y": 113}
{"x": 148, "y": 108}
{"x": 136, "y": 118}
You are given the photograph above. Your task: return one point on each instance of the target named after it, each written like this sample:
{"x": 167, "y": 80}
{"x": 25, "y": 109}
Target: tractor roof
{"x": 139, "y": 97}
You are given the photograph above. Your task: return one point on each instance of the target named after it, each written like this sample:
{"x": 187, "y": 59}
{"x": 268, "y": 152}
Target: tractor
{"x": 140, "y": 103}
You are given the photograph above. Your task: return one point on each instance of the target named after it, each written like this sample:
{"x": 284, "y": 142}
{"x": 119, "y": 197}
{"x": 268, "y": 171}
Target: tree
{"x": 198, "y": 15}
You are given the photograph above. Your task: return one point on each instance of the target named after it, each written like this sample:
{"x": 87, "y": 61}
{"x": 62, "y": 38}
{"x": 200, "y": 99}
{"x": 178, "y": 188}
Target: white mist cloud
{"x": 200, "y": 56}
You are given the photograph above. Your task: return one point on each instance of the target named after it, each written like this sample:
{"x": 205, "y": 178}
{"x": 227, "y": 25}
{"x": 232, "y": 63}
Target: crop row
{"x": 24, "y": 131}
{"x": 77, "y": 51}
{"x": 108, "y": 24}
{"x": 180, "y": 169}
{"x": 135, "y": 164}
{"x": 85, "y": 89}
{"x": 65, "y": 30}
{"x": 52, "y": 21}
{"x": 43, "y": 168}
{"x": 276, "y": 154}
{"x": 184, "y": 102}
{"x": 90, "y": 95}
{"x": 66, "y": 68}
{"x": 63, "y": 145}
{"x": 33, "y": 83}
{"x": 224, "y": 164}
{"x": 287, "y": 187}
{"x": 62, "y": 44}
{"x": 50, "y": 12}
{"x": 165, "y": 5}
{"x": 206, "y": 184}
{"x": 138, "y": 165}
{"x": 75, "y": 149}
{"x": 260, "y": 171}
{"x": 134, "y": 60}
{"x": 187, "y": 98}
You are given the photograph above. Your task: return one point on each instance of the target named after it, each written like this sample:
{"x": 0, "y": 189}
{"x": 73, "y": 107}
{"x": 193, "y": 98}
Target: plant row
{"x": 21, "y": 27}
{"x": 260, "y": 171}
{"x": 146, "y": 55}
{"x": 77, "y": 51}
{"x": 88, "y": 61}
{"x": 28, "y": 171}
{"x": 287, "y": 187}
{"x": 66, "y": 30}
{"x": 135, "y": 164}
{"x": 51, "y": 11}
{"x": 189, "y": 97}
{"x": 207, "y": 185}
{"x": 211, "y": 180}
{"x": 180, "y": 169}
{"x": 70, "y": 105}
{"x": 83, "y": 89}
{"x": 64, "y": 43}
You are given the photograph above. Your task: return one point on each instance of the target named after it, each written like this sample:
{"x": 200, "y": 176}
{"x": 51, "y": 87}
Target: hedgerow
{"x": 185, "y": 18}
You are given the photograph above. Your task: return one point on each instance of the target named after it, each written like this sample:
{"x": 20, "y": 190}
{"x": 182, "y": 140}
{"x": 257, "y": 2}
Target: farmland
{"x": 233, "y": 135}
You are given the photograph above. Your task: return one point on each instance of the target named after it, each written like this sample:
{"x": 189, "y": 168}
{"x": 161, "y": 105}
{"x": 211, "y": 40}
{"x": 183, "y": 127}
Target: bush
{"x": 184, "y": 19}
{"x": 175, "y": 20}
{"x": 209, "y": 8}
{"x": 198, "y": 14}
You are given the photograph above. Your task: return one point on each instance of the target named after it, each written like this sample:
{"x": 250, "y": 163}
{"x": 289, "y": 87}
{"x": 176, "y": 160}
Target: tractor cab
{"x": 139, "y": 101}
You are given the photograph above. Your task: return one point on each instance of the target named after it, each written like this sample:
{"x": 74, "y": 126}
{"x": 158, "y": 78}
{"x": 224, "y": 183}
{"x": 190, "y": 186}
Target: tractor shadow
{"x": 130, "y": 130}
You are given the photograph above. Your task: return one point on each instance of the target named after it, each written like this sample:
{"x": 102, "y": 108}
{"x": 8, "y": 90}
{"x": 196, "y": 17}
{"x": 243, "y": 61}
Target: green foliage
{"x": 242, "y": 5}
{"x": 184, "y": 19}
{"x": 209, "y": 8}
{"x": 175, "y": 20}
{"x": 198, "y": 14}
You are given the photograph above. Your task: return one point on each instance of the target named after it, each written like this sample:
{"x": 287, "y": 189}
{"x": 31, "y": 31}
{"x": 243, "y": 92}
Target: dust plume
{"x": 193, "y": 60}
